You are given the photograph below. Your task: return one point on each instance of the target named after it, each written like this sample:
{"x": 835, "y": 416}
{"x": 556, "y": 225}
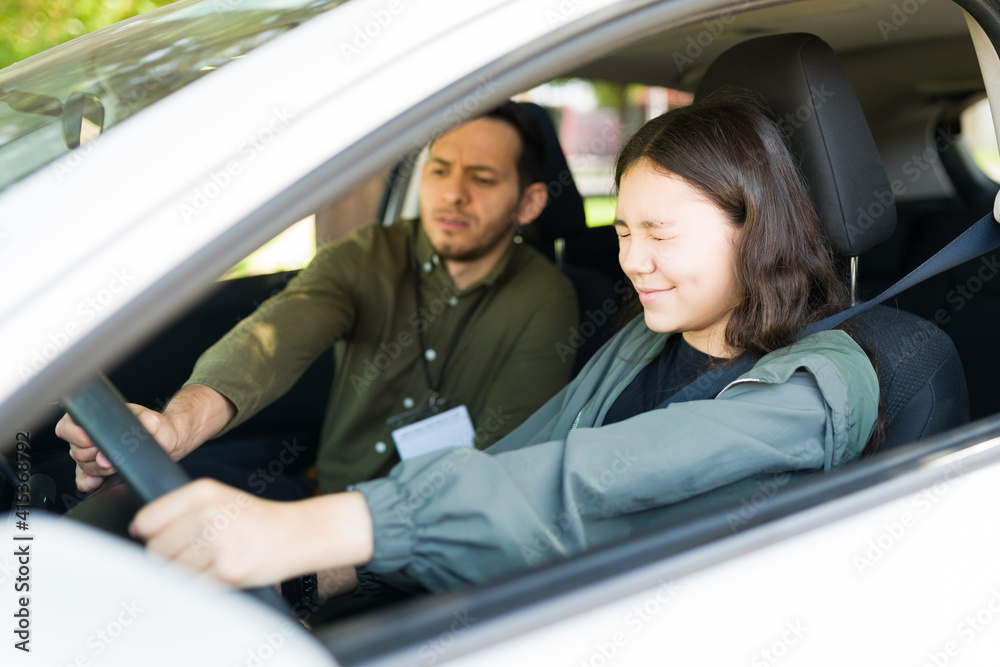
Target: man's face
{"x": 469, "y": 192}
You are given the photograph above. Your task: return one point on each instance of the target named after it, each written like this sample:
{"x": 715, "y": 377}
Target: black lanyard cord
{"x": 435, "y": 388}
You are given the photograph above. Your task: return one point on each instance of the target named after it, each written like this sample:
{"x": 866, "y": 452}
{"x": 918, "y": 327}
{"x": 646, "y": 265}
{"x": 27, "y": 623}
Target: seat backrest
{"x": 589, "y": 257}
{"x": 799, "y": 78}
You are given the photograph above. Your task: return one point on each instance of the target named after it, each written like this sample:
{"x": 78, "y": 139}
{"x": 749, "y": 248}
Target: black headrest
{"x": 564, "y": 216}
{"x": 800, "y": 78}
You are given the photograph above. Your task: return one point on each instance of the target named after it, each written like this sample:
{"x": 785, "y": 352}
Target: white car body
{"x": 109, "y": 242}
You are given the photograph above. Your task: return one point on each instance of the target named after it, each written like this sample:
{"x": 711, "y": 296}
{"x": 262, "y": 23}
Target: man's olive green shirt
{"x": 359, "y": 295}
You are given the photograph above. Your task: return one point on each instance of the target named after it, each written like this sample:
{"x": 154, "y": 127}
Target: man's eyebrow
{"x": 471, "y": 167}
{"x": 483, "y": 167}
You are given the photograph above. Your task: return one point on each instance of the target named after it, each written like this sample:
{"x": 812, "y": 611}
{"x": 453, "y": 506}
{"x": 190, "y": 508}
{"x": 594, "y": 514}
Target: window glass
{"x": 593, "y": 118}
{"x": 980, "y": 137}
{"x": 290, "y": 250}
{"x": 120, "y": 70}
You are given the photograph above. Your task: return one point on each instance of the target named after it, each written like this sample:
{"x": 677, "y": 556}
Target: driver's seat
{"x": 800, "y": 79}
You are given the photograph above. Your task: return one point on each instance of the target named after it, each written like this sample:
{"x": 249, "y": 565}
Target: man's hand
{"x": 91, "y": 465}
{"x": 195, "y": 414}
{"x": 336, "y": 581}
{"x": 246, "y": 541}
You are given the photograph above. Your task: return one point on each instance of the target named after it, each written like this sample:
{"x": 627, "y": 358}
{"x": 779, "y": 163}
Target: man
{"x": 446, "y": 312}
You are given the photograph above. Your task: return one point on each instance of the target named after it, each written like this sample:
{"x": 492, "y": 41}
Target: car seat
{"x": 799, "y": 78}
{"x": 588, "y": 256}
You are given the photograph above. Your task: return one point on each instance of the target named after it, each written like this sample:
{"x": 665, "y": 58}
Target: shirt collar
{"x": 430, "y": 264}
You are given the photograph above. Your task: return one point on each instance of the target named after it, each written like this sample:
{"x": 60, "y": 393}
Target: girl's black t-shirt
{"x": 676, "y": 366}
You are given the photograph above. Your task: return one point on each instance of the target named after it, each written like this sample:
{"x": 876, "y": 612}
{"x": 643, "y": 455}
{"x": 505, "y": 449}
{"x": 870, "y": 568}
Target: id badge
{"x": 430, "y": 428}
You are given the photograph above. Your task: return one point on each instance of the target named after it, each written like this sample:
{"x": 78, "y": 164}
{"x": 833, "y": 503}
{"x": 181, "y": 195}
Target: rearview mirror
{"x": 82, "y": 119}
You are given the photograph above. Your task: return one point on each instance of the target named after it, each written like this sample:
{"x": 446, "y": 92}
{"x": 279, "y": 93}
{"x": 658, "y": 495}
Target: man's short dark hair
{"x": 531, "y": 161}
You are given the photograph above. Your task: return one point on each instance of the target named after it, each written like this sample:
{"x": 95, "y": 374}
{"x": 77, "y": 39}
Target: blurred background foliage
{"x": 28, "y": 27}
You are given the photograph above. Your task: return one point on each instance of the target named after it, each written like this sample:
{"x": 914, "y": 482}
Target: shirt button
{"x": 453, "y": 300}
{"x": 430, "y": 355}
{"x": 428, "y": 266}
{"x": 435, "y": 259}
{"x": 380, "y": 447}
{"x": 407, "y": 402}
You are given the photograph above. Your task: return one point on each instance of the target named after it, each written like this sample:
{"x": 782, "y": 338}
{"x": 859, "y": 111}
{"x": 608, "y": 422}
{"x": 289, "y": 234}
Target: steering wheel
{"x": 101, "y": 411}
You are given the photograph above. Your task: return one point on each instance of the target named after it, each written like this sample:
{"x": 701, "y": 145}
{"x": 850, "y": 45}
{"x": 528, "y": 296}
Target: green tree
{"x": 28, "y": 27}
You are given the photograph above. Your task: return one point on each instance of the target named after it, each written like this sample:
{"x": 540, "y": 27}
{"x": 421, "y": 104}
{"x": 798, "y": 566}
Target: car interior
{"x": 872, "y": 95}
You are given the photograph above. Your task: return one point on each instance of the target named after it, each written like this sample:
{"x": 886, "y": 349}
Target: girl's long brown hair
{"x": 736, "y": 156}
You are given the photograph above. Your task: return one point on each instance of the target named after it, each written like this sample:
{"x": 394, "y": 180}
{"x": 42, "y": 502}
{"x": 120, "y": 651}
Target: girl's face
{"x": 678, "y": 249}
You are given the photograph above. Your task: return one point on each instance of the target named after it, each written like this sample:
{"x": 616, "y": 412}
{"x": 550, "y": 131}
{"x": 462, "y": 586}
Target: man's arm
{"x": 195, "y": 414}
{"x": 263, "y": 356}
{"x": 257, "y": 361}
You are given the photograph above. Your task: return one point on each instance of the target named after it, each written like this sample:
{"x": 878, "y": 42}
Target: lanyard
{"x": 435, "y": 388}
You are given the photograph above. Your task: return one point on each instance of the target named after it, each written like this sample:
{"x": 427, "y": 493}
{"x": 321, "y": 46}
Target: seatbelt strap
{"x": 979, "y": 239}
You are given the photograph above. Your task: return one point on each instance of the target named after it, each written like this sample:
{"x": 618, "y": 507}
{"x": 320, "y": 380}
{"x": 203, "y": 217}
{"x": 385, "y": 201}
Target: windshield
{"x": 63, "y": 98}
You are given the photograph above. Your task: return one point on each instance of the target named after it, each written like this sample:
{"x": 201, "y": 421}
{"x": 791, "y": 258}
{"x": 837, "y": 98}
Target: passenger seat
{"x": 940, "y": 199}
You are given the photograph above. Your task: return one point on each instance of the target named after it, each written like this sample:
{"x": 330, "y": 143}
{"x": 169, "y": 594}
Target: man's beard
{"x": 501, "y": 236}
